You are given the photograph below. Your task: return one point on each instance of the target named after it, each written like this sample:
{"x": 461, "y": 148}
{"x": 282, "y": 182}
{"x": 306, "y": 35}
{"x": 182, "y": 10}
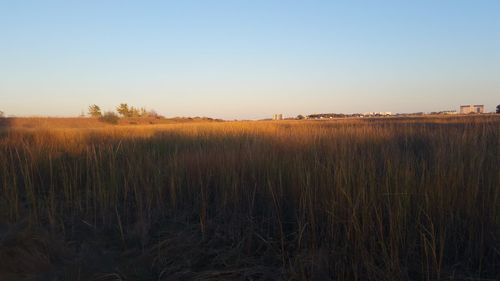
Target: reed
{"x": 377, "y": 199}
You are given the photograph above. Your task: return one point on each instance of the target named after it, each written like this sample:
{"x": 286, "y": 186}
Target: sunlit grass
{"x": 379, "y": 199}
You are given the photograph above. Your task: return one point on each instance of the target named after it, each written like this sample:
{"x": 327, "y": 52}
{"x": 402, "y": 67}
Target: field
{"x": 346, "y": 199}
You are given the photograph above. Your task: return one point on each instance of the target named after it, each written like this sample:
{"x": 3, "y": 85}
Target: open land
{"x": 343, "y": 199}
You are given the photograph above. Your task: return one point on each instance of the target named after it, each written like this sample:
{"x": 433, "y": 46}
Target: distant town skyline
{"x": 248, "y": 59}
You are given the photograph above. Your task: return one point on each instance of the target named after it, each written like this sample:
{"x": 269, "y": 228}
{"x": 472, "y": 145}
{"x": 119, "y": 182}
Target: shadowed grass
{"x": 379, "y": 199}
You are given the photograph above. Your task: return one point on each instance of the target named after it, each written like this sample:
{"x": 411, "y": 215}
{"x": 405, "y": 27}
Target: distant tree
{"x": 109, "y": 117}
{"x": 134, "y": 112}
{"x": 154, "y": 114}
{"x": 131, "y": 111}
{"x": 123, "y": 110}
{"x": 498, "y": 109}
{"x": 2, "y": 114}
{"x": 300, "y": 117}
{"x": 95, "y": 111}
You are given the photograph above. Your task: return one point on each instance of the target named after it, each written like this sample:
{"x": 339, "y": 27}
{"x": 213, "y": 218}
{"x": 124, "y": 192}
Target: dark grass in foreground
{"x": 381, "y": 199}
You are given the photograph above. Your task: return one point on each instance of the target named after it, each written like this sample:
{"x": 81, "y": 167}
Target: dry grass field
{"x": 347, "y": 199}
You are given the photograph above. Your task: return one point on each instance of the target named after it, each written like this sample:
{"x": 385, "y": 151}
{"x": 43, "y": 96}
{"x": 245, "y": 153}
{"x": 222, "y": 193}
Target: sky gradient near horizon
{"x": 245, "y": 59}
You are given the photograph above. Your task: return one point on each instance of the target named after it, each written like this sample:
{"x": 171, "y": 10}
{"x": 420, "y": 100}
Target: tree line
{"x": 124, "y": 111}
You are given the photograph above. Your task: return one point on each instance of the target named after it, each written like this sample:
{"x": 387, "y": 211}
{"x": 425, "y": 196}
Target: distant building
{"x": 278, "y": 117}
{"x": 448, "y": 112}
{"x": 466, "y": 109}
{"x": 377, "y": 114}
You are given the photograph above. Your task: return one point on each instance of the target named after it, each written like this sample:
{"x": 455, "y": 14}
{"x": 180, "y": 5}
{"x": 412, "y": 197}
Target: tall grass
{"x": 381, "y": 199}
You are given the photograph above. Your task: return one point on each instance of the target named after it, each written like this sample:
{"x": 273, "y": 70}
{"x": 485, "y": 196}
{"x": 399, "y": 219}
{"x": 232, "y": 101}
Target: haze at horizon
{"x": 248, "y": 59}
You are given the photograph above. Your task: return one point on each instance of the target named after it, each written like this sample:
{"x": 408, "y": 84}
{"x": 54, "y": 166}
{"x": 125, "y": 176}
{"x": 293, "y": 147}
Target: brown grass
{"x": 375, "y": 199}
{"x": 86, "y": 123}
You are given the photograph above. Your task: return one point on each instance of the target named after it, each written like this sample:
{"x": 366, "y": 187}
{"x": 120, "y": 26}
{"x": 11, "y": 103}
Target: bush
{"x": 109, "y": 117}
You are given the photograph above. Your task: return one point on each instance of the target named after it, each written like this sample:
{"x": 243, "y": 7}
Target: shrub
{"x": 109, "y": 117}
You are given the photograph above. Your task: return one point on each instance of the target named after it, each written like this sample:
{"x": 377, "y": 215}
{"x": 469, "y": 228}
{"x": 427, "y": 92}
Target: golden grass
{"x": 85, "y": 123}
{"x": 348, "y": 199}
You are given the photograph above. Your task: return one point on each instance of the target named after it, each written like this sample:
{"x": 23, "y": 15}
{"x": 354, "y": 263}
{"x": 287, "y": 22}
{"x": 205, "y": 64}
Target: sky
{"x": 248, "y": 59}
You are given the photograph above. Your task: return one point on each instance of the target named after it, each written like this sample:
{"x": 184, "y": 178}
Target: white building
{"x": 278, "y": 116}
{"x": 466, "y": 109}
{"x": 386, "y": 113}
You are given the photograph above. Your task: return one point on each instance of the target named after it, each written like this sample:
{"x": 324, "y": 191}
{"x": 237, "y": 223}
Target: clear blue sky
{"x": 248, "y": 59}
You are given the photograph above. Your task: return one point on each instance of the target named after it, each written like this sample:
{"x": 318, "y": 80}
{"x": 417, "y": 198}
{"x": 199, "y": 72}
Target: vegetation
{"x": 123, "y": 110}
{"x": 110, "y": 117}
{"x": 131, "y": 112}
{"x": 374, "y": 199}
{"x": 95, "y": 111}
{"x": 498, "y": 108}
